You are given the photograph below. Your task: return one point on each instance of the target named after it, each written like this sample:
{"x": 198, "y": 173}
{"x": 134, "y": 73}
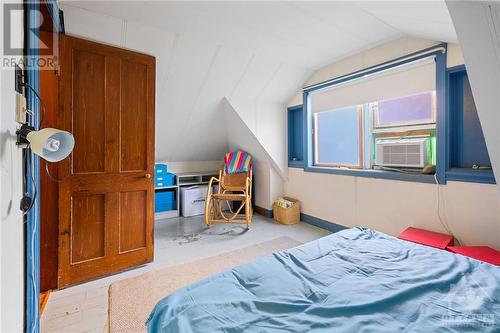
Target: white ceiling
{"x": 257, "y": 53}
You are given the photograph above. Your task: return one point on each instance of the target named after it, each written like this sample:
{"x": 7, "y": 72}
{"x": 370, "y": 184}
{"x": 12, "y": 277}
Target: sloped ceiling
{"x": 258, "y": 54}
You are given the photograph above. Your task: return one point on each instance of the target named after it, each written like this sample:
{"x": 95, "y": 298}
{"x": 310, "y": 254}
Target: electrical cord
{"x": 52, "y": 177}
{"x": 397, "y": 170}
{"x": 441, "y": 220}
{"x": 443, "y": 223}
{"x": 477, "y": 166}
{"x": 28, "y": 161}
{"x": 42, "y": 115}
{"x": 29, "y": 176}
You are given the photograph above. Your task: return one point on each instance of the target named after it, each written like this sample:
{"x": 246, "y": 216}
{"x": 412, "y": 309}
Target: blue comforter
{"x": 356, "y": 280}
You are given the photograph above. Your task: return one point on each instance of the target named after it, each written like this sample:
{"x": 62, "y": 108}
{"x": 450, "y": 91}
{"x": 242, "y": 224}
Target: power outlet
{"x": 21, "y": 109}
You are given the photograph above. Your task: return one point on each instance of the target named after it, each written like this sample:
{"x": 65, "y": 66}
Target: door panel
{"x": 134, "y": 116}
{"x": 87, "y": 227}
{"x": 88, "y": 111}
{"x": 106, "y": 210}
{"x": 133, "y": 222}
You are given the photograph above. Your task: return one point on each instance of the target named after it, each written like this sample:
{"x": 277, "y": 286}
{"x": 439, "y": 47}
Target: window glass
{"x": 406, "y": 110}
{"x": 338, "y": 137}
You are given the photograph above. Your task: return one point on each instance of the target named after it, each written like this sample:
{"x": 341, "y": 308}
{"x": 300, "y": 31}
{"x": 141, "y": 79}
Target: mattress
{"x": 356, "y": 280}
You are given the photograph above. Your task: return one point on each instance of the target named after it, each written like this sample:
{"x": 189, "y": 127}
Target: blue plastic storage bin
{"x": 160, "y": 169}
{"x": 165, "y": 207}
{"x": 167, "y": 179}
{"x": 165, "y": 200}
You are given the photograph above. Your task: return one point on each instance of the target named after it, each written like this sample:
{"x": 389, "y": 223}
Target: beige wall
{"x": 472, "y": 211}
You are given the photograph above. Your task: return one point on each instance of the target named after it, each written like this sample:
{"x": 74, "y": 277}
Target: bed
{"x": 356, "y": 280}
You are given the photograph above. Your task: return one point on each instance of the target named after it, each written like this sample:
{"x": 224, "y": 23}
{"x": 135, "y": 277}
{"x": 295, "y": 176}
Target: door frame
{"x": 33, "y": 11}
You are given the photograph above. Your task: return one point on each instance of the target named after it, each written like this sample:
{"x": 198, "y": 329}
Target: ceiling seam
{"x": 377, "y": 18}
{"x": 200, "y": 89}
{"x": 170, "y": 61}
{"x": 245, "y": 71}
{"x": 257, "y": 98}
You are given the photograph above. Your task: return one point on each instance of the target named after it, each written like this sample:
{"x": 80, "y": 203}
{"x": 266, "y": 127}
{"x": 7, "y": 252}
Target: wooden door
{"x": 106, "y": 206}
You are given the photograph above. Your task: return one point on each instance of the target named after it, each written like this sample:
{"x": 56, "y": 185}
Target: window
{"x": 338, "y": 138}
{"x": 384, "y": 120}
{"x": 295, "y": 136}
{"x": 469, "y": 159}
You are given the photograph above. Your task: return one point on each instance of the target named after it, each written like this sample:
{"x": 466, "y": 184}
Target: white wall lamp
{"x": 53, "y": 145}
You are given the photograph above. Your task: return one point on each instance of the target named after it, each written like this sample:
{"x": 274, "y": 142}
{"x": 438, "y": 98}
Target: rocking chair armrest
{"x": 248, "y": 183}
{"x": 211, "y": 181}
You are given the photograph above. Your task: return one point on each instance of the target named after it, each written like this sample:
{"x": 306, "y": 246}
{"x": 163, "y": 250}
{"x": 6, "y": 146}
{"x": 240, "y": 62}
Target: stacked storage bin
{"x": 162, "y": 177}
{"x": 160, "y": 172}
{"x": 165, "y": 199}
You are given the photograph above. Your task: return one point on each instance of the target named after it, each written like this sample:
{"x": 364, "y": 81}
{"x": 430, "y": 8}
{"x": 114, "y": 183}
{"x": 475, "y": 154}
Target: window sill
{"x": 295, "y": 164}
{"x": 379, "y": 174}
{"x": 471, "y": 175}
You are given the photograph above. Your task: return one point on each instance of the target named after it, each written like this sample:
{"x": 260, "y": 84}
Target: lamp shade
{"x": 51, "y": 144}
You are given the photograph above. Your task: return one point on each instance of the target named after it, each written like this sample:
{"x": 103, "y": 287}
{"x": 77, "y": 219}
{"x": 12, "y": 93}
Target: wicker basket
{"x": 290, "y": 215}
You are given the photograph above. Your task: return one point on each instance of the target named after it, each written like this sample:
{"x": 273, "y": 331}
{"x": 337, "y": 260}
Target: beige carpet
{"x": 131, "y": 300}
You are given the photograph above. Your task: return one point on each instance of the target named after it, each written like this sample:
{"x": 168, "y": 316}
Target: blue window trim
{"x": 295, "y": 163}
{"x": 425, "y": 53}
{"x": 33, "y": 219}
{"x": 441, "y": 149}
{"x": 460, "y": 174}
{"x": 469, "y": 175}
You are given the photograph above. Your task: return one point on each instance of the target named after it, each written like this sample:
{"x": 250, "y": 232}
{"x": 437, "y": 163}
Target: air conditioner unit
{"x": 408, "y": 152}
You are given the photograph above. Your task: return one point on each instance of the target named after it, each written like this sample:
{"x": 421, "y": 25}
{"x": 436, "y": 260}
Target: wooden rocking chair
{"x": 232, "y": 188}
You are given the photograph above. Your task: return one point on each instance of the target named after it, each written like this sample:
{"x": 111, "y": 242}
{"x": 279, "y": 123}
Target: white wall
{"x": 266, "y": 173}
{"x": 472, "y": 211}
{"x": 11, "y": 221}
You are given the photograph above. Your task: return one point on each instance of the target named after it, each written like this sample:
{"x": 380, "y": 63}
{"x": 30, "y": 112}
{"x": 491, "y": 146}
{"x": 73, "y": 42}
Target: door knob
{"x": 148, "y": 175}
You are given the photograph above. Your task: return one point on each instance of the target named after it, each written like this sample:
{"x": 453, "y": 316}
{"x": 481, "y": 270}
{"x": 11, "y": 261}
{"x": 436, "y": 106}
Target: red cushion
{"x": 425, "y": 237}
{"x": 483, "y": 253}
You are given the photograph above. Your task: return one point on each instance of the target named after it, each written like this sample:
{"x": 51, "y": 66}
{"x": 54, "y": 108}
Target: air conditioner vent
{"x": 410, "y": 152}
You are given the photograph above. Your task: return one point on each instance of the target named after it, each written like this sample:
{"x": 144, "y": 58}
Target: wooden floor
{"x": 84, "y": 308}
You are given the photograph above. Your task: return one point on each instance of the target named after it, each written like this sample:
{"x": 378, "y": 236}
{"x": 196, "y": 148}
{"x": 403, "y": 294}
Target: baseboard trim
{"x": 320, "y": 223}
{"x": 315, "y": 221}
{"x": 264, "y": 212}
